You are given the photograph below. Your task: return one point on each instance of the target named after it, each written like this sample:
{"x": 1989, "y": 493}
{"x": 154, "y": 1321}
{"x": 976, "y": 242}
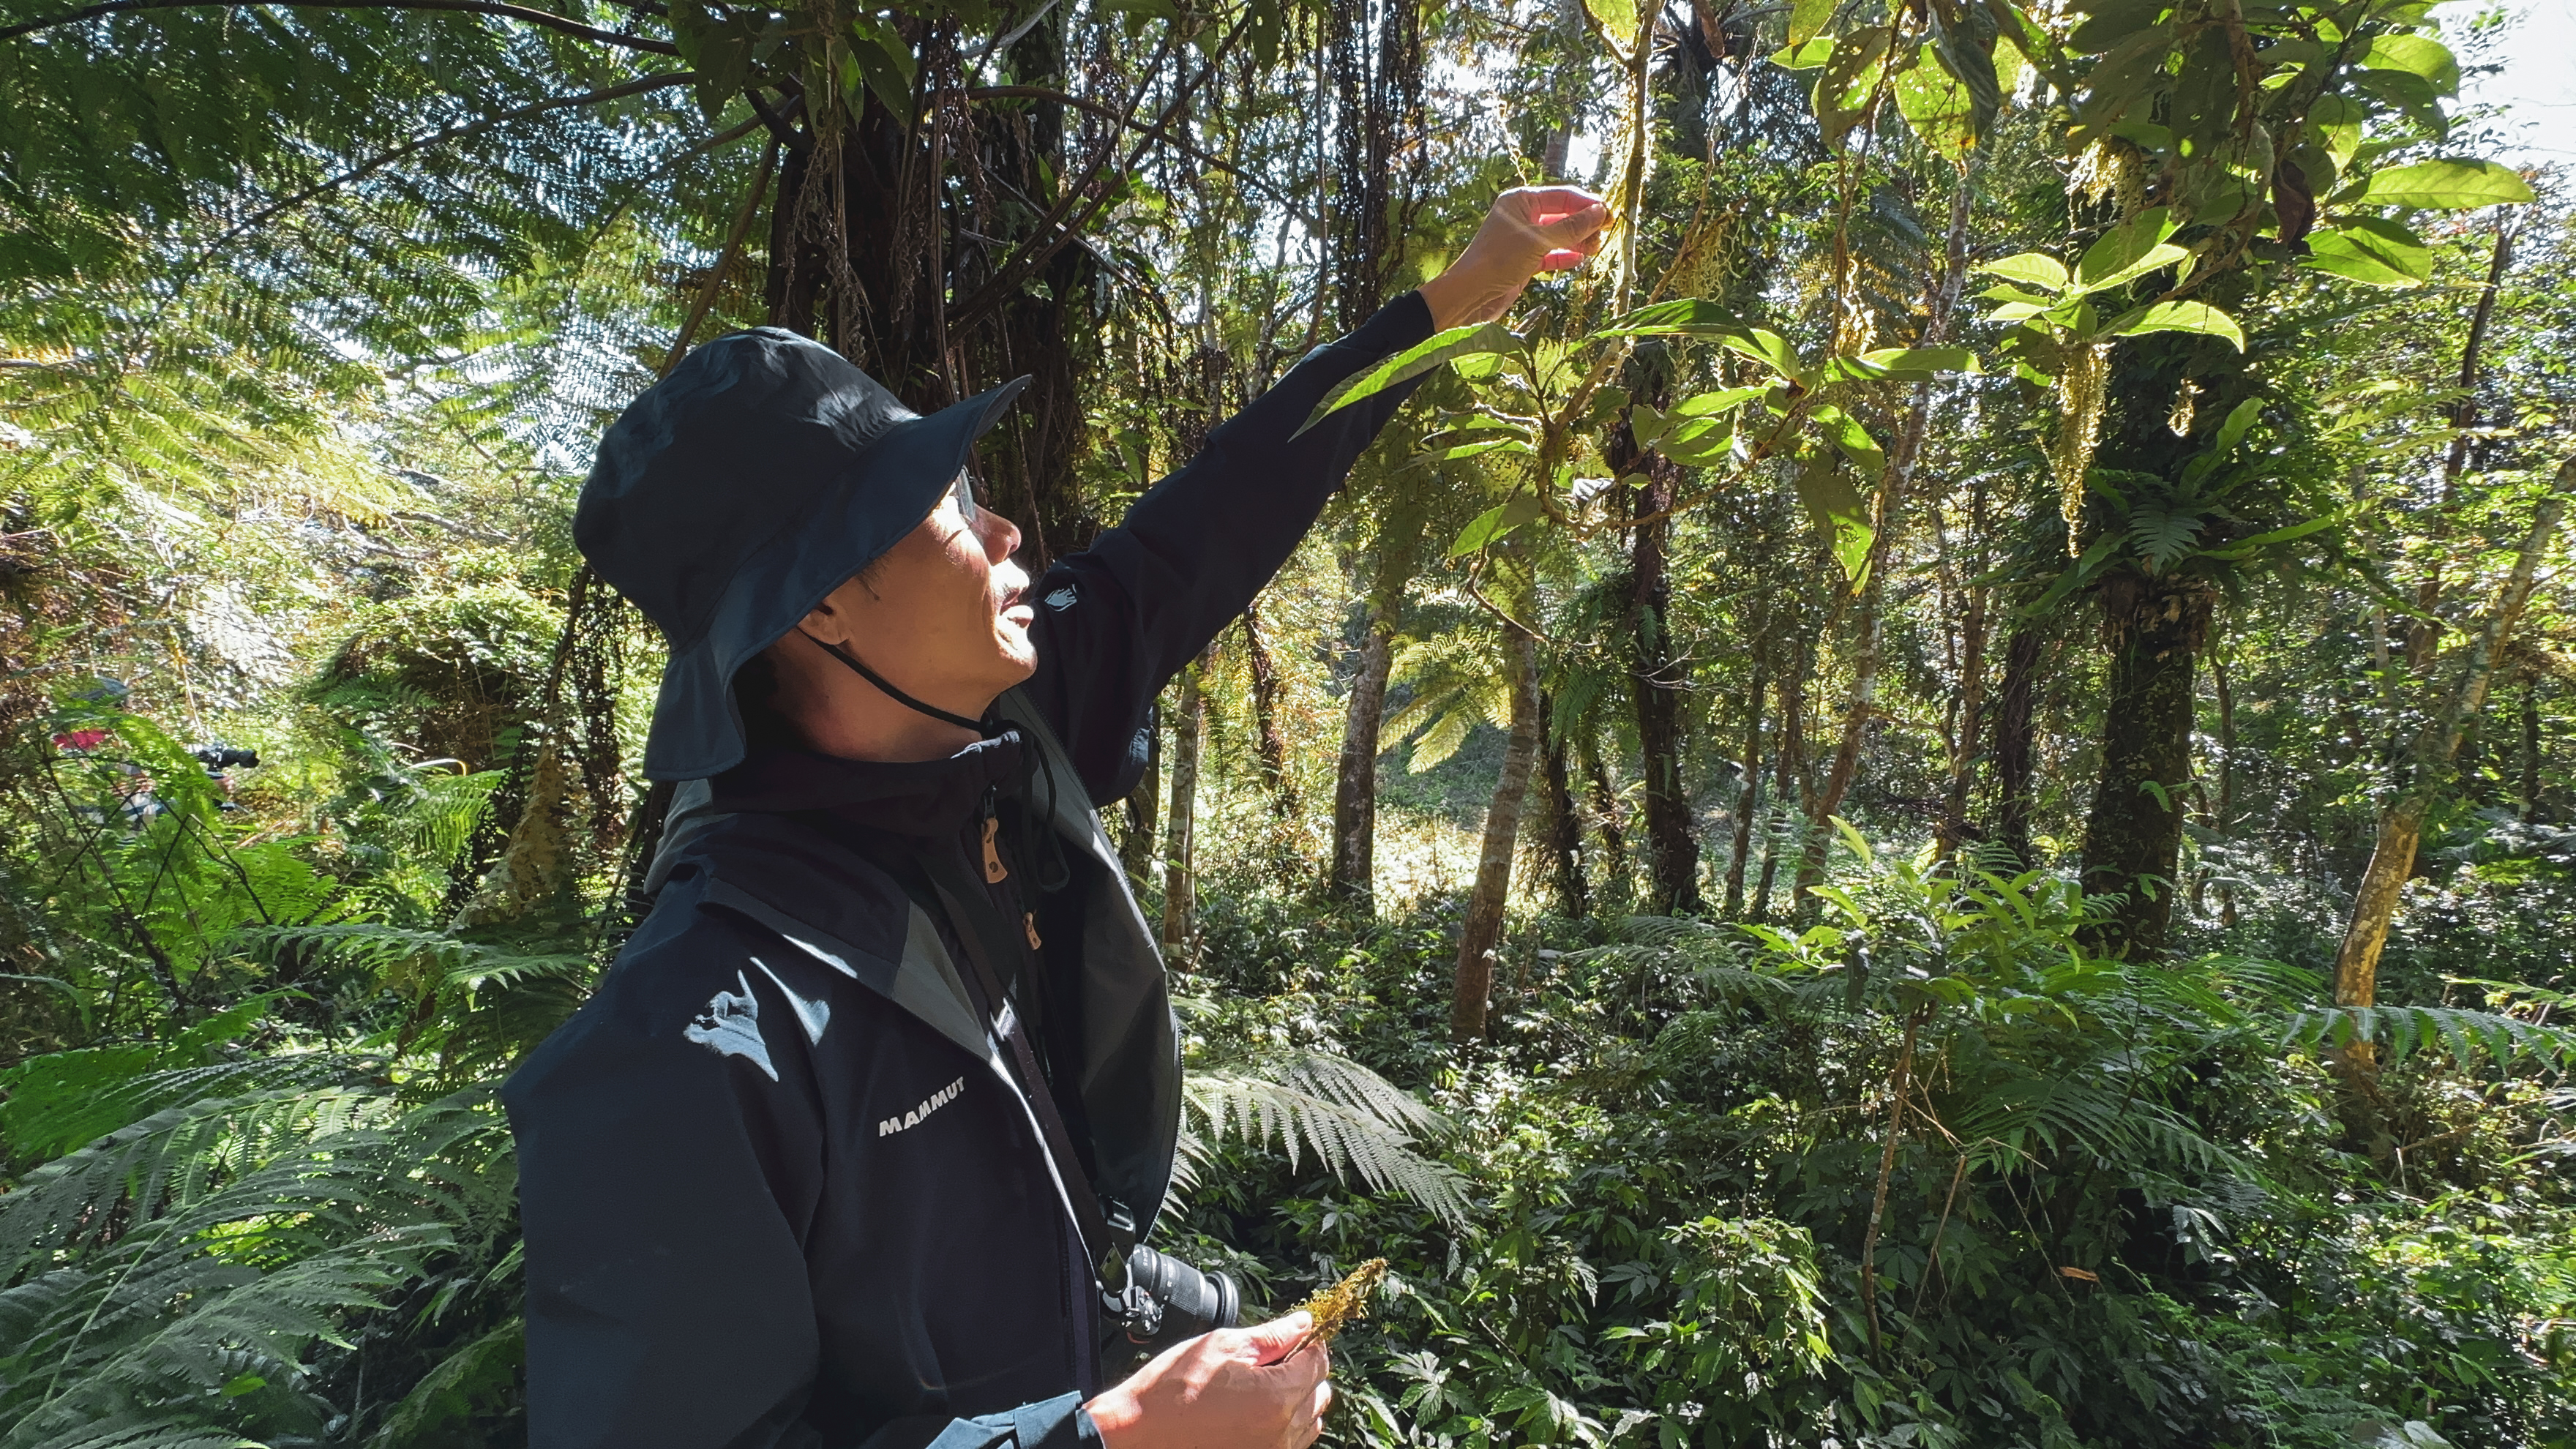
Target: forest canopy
{"x": 1934, "y": 805}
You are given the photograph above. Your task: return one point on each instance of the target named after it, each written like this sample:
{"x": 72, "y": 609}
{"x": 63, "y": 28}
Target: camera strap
{"x": 1106, "y": 1240}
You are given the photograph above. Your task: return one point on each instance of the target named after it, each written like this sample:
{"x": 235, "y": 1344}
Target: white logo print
{"x": 1061, "y": 598}
{"x": 932, "y": 1103}
{"x": 730, "y": 1026}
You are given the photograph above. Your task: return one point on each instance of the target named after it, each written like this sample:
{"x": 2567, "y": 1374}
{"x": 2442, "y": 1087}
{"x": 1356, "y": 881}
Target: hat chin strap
{"x": 897, "y": 695}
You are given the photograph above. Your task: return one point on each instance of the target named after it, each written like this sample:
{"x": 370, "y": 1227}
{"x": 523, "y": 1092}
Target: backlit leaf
{"x": 2443, "y": 186}
{"x": 2197, "y": 317}
{"x": 1476, "y": 339}
{"x": 2373, "y": 251}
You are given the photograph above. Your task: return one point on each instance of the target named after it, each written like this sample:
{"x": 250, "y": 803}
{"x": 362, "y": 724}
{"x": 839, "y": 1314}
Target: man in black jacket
{"x": 864, "y": 1124}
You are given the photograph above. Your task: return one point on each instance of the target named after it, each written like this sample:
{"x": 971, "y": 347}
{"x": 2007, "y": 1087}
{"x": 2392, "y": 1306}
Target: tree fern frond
{"x": 2473, "y": 1039}
{"x": 1354, "y": 1121}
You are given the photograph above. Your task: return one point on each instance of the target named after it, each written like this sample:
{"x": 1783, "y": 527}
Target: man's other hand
{"x": 1236, "y": 1388}
{"x": 1531, "y": 229}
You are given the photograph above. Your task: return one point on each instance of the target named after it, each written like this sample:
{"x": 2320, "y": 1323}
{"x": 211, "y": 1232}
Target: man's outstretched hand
{"x": 1531, "y": 229}
{"x": 1236, "y": 1388}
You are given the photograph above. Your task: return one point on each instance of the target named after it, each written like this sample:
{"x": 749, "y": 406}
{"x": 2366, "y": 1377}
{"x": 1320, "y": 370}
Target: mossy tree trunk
{"x": 1482, "y": 931}
{"x": 2153, "y": 630}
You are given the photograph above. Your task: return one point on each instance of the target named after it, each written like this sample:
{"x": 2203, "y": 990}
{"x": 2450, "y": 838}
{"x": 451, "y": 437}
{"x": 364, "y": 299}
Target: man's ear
{"x": 832, "y": 620}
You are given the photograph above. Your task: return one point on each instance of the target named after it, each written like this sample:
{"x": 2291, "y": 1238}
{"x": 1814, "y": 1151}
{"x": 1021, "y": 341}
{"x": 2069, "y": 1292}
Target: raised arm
{"x": 1116, "y": 622}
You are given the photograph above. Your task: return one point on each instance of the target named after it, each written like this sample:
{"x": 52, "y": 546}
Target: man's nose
{"x": 1001, "y": 536}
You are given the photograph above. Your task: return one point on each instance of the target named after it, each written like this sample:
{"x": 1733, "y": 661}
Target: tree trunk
{"x": 1748, "y": 801}
{"x": 2015, "y": 739}
{"x": 1969, "y": 745}
{"x": 2530, "y": 791}
{"x": 1656, "y": 673}
{"x": 1793, "y": 736}
{"x": 2401, "y": 823}
{"x": 1564, "y": 820}
{"x": 2133, "y": 837}
{"x": 1483, "y": 929}
{"x": 1269, "y": 743}
{"x": 1144, "y": 811}
{"x": 1354, "y": 870}
{"x": 1188, "y": 728}
{"x": 1605, "y": 816}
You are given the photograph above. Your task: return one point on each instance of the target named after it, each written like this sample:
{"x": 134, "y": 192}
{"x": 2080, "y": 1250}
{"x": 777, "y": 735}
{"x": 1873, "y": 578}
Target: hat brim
{"x": 697, "y": 731}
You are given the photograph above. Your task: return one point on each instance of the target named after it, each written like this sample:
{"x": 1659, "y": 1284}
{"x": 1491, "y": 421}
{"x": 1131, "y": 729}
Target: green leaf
{"x": 1807, "y": 19}
{"x": 1703, "y": 404}
{"x": 2129, "y": 251}
{"x": 1698, "y": 442}
{"x": 1683, "y": 317}
{"x": 2442, "y": 186}
{"x": 1476, "y": 339}
{"x": 1771, "y": 350}
{"x": 1843, "y": 92}
{"x": 1840, "y": 512}
{"x": 2373, "y": 251}
{"x": 1905, "y": 364}
{"x": 2036, "y": 269}
{"x": 1618, "y": 17}
{"x": 2108, "y": 22}
{"x": 2418, "y": 55}
{"x": 887, "y": 64}
{"x": 2197, "y": 317}
{"x": 2337, "y": 122}
{"x": 1846, "y": 434}
{"x": 2245, "y": 546}
{"x": 1938, "y": 106}
{"x": 1805, "y": 56}
{"x": 1493, "y": 524}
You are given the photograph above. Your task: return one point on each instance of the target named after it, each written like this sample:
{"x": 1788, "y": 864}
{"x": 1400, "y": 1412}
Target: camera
{"x": 1165, "y": 1301}
{"x": 218, "y": 758}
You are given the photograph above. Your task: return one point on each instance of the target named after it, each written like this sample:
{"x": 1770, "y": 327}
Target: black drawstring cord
{"x": 897, "y": 695}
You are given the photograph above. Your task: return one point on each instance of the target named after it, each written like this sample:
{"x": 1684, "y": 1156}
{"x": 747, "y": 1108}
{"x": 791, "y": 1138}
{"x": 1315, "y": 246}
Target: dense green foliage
{"x": 2018, "y": 528}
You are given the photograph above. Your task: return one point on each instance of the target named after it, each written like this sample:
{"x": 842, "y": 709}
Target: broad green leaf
{"x": 2004, "y": 292}
{"x": 2197, "y": 317}
{"x": 1682, "y": 317}
{"x": 1807, "y": 19}
{"x": 887, "y": 64}
{"x": 1906, "y": 364}
{"x": 2129, "y": 251}
{"x": 1618, "y": 17}
{"x": 1854, "y": 441}
{"x": 2129, "y": 78}
{"x": 1805, "y": 56}
{"x": 1850, "y": 78}
{"x": 2411, "y": 94}
{"x": 2373, "y": 251}
{"x": 1706, "y": 403}
{"x": 1770, "y": 349}
{"x": 1698, "y": 442}
{"x": 1938, "y": 106}
{"x": 2246, "y": 546}
{"x": 2016, "y": 312}
{"x": 1839, "y": 510}
{"x": 2107, "y": 22}
{"x": 2337, "y": 122}
{"x": 2442, "y": 186}
{"x": 1492, "y": 525}
{"x": 1476, "y": 339}
{"x": 1478, "y": 449}
{"x": 2037, "y": 269}
{"x": 2418, "y": 55}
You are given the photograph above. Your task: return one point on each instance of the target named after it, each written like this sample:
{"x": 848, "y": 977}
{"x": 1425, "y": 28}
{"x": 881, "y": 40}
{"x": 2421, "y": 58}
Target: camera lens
{"x": 1193, "y": 1302}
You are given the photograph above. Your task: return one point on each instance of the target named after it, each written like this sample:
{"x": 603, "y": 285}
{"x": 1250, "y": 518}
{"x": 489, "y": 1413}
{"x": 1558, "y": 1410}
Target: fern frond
{"x": 2473, "y": 1039}
{"x": 1356, "y": 1122}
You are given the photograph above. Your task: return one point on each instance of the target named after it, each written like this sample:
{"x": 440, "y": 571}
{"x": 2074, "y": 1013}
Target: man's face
{"x": 939, "y": 615}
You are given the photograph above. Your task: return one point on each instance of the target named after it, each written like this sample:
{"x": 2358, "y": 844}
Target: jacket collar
{"x": 927, "y": 799}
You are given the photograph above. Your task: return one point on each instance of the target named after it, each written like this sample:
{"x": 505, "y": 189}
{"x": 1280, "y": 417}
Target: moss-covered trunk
{"x": 2153, "y": 630}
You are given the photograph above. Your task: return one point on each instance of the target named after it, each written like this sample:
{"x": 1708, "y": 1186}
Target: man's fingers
{"x": 1270, "y": 1342}
{"x": 1542, "y": 201}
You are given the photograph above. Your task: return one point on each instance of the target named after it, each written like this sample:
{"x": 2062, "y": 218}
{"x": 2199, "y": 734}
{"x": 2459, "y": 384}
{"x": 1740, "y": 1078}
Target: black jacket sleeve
{"x": 1117, "y": 621}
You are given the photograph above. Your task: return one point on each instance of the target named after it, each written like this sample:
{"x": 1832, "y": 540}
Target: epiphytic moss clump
{"x": 1345, "y": 1303}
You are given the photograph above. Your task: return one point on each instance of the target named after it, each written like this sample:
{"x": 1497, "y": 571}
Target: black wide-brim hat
{"x": 738, "y": 492}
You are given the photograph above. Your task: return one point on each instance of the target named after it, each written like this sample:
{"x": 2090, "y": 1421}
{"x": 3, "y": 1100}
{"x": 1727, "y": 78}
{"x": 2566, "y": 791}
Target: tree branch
{"x": 1154, "y": 132}
{"x": 472, "y": 7}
